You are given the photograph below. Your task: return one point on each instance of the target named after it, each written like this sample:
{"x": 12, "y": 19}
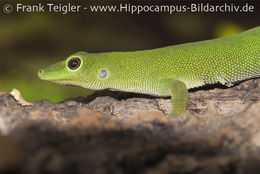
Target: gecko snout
{"x": 40, "y": 72}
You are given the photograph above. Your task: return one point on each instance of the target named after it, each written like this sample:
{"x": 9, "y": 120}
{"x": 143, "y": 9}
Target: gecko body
{"x": 168, "y": 71}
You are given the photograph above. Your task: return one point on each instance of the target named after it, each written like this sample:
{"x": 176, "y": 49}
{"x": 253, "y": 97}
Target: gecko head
{"x": 67, "y": 72}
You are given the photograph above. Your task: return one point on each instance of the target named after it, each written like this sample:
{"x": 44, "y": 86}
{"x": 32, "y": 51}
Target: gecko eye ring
{"x": 74, "y": 63}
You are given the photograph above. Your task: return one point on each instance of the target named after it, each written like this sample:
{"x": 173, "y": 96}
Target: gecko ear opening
{"x": 102, "y": 74}
{"x": 74, "y": 63}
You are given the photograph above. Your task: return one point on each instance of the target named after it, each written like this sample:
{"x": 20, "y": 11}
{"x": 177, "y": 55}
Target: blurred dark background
{"x": 30, "y": 41}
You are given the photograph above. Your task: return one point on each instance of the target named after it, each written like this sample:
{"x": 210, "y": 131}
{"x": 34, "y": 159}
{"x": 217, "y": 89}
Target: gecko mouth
{"x": 55, "y": 79}
{"x": 44, "y": 76}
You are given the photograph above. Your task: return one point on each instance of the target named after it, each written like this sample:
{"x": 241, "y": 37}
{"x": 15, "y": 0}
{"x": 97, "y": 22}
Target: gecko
{"x": 168, "y": 71}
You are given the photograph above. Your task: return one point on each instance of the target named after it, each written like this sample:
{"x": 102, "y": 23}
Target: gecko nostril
{"x": 40, "y": 72}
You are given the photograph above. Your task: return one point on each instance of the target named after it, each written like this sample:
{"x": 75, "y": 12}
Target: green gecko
{"x": 168, "y": 71}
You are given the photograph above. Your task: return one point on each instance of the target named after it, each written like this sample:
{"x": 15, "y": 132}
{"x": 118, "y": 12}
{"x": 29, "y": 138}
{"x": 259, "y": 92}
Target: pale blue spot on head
{"x": 102, "y": 74}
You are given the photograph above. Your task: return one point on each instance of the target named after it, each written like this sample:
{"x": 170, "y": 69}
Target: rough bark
{"x": 110, "y": 132}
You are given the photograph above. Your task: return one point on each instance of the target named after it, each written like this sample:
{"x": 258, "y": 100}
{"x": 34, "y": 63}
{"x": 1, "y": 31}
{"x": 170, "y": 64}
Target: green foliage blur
{"x": 30, "y": 41}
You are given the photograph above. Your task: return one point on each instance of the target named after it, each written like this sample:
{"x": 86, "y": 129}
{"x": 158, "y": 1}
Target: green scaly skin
{"x": 167, "y": 71}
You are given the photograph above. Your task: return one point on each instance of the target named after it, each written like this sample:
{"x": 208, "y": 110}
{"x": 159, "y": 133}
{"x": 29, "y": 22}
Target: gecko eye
{"x": 74, "y": 63}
